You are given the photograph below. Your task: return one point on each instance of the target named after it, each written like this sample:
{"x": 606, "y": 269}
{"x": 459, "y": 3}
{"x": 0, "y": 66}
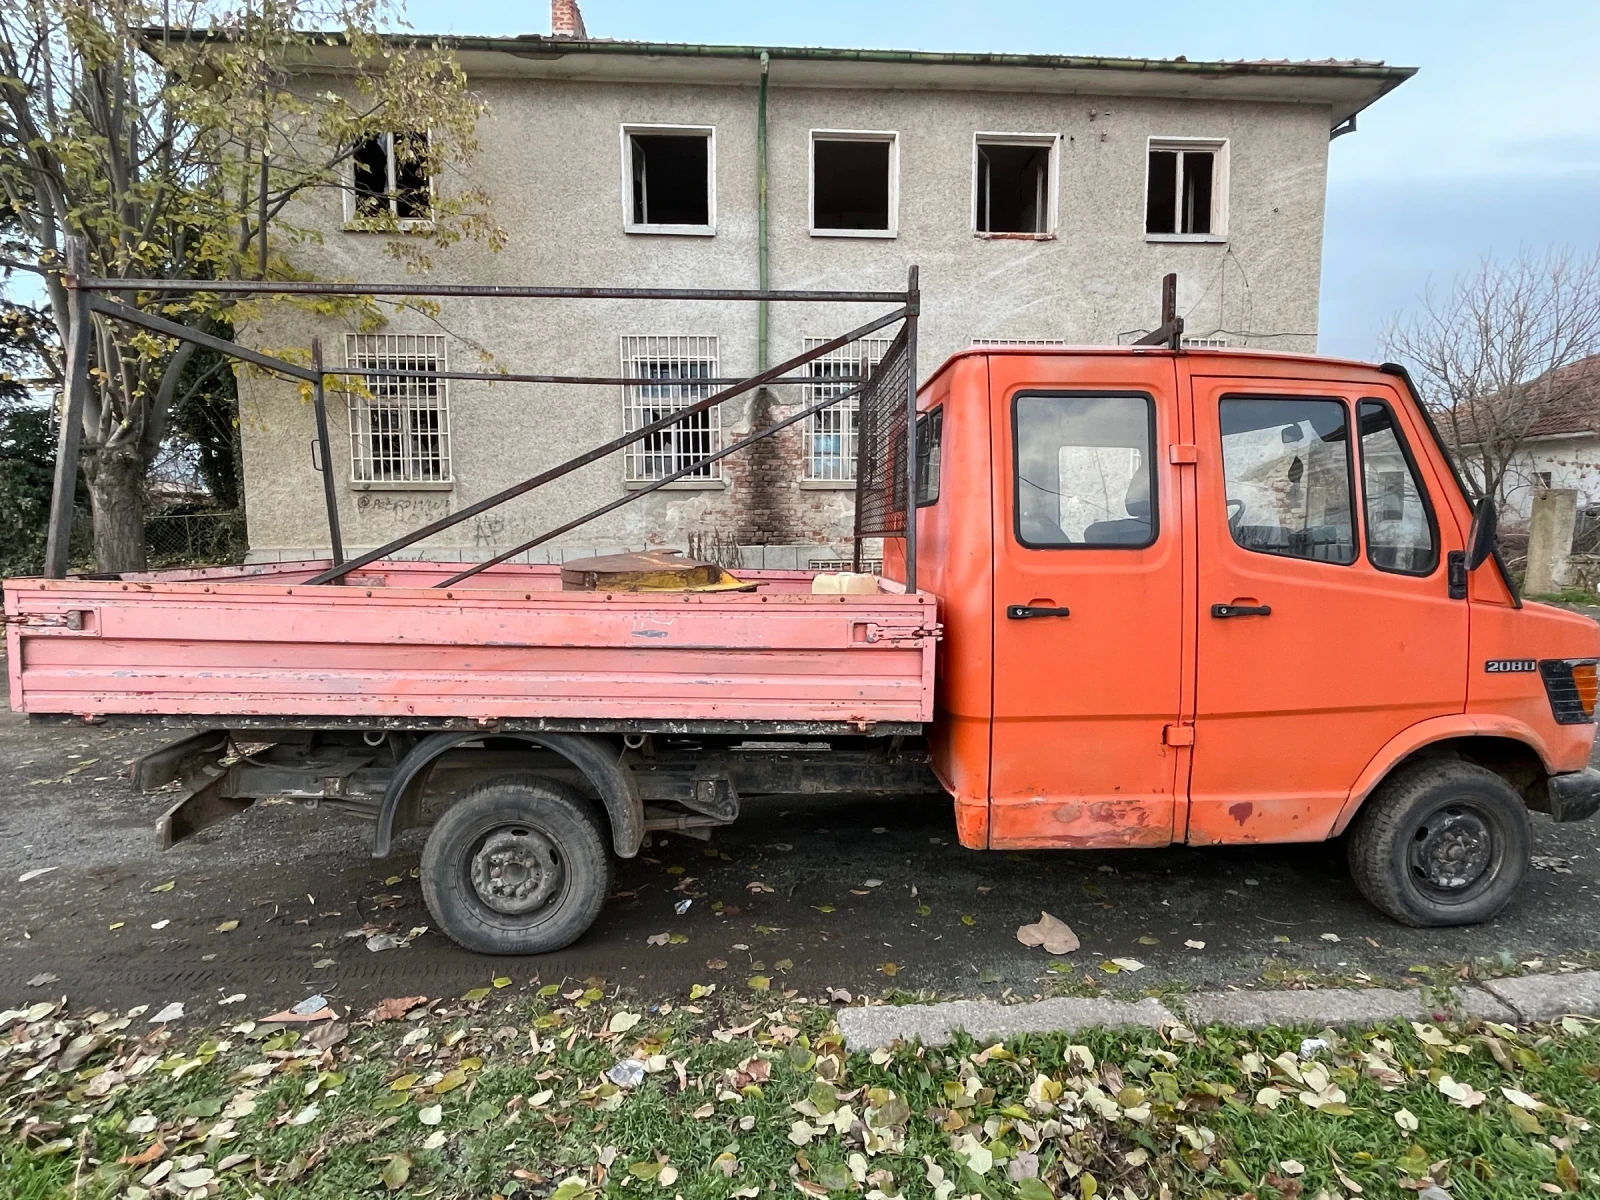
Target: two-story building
{"x": 1043, "y": 197}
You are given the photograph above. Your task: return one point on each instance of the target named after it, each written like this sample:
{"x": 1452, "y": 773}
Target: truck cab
{"x": 1225, "y": 597}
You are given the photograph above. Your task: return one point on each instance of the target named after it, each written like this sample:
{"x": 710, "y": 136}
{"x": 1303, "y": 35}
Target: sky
{"x": 1493, "y": 148}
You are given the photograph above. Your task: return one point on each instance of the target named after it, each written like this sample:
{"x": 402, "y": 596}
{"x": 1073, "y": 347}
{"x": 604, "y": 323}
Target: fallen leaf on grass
{"x": 148, "y": 1155}
{"x": 1128, "y": 964}
{"x": 758, "y": 983}
{"x": 1463, "y": 1094}
{"x": 396, "y": 1007}
{"x": 170, "y": 1013}
{"x": 1195, "y": 944}
{"x": 1055, "y": 936}
{"x": 1406, "y": 1119}
{"x": 622, "y": 1022}
{"x": 431, "y": 1115}
{"x": 395, "y": 1172}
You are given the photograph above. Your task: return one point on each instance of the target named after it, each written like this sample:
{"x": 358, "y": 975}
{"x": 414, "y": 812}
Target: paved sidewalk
{"x": 1524, "y": 1000}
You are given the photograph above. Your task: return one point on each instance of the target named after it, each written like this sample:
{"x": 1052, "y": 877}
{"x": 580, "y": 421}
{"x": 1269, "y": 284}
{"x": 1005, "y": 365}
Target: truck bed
{"x": 256, "y": 644}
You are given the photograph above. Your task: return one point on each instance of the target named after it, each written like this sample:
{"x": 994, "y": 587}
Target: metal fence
{"x": 195, "y": 538}
{"x": 881, "y": 446}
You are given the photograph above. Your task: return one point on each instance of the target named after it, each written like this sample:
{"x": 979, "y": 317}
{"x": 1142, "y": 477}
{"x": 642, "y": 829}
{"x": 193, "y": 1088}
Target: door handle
{"x": 1023, "y": 612}
{"x": 1241, "y": 610}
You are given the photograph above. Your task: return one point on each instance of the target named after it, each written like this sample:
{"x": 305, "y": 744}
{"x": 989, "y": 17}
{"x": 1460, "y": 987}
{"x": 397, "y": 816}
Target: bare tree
{"x": 1499, "y": 351}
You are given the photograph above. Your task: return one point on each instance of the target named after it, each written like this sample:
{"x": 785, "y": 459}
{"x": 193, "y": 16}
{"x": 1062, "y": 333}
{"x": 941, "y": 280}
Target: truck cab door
{"x": 1326, "y": 626}
{"x": 1089, "y": 633}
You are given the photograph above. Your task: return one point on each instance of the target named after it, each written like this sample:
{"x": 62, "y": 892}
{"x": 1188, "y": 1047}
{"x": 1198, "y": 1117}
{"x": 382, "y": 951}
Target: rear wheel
{"x": 1441, "y": 843}
{"x": 518, "y": 865}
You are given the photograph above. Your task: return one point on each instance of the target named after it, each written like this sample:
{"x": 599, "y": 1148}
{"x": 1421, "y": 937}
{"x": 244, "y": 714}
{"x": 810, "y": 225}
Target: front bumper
{"x": 1575, "y": 795}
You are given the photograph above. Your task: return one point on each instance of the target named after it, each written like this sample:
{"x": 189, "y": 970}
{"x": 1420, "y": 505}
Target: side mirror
{"x": 1481, "y": 537}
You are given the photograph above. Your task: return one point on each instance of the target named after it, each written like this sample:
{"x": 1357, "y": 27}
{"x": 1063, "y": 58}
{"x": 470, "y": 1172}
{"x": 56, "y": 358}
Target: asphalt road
{"x": 855, "y": 885}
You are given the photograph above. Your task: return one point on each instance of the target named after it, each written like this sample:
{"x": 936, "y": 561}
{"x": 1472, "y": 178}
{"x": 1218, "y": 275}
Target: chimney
{"x": 566, "y": 21}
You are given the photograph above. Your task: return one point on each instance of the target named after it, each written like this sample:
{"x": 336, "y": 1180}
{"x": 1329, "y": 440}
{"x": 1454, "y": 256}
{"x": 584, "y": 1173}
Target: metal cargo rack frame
{"x": 888, "y": 393}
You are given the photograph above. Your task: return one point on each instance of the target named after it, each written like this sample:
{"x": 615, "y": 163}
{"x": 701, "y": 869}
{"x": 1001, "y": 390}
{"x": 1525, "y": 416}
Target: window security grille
{"x": 831, "y": 434}
{"x": 981, "y": 341}
{"x": 671, "y": 365}
{"x": 1205, "y": 343}
{"x": 869, "y": 566}
{"x": 400, "y": 430}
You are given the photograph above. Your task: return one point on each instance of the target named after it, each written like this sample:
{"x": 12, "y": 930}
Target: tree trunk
{"x": 116, "y": 493}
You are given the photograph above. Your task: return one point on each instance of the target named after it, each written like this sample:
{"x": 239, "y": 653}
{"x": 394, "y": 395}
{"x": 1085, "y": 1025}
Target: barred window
{"x": 979, "y": 342}
{"x": 831, "y": 434}
{"x": 672, "y": 365}
{"x": 400, "y": 429}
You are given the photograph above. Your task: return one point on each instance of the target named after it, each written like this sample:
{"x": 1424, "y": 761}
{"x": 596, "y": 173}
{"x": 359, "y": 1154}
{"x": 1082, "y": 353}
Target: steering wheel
{"x": 1235, "y": 514}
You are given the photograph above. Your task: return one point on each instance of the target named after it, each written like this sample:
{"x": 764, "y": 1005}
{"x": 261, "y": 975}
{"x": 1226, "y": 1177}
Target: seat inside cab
{"x": 1083, "y": 470}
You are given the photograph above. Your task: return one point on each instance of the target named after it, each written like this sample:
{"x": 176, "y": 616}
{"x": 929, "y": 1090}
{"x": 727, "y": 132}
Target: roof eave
{"x": 1345, "y": 87}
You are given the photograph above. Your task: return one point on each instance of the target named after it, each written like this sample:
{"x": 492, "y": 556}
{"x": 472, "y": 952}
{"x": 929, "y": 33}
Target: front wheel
{"x": 1442, "y": 842}
{"x": 518, "y": 865}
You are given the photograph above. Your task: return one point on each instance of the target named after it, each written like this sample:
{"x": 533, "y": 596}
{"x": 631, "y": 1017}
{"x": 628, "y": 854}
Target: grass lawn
{"x": 739, "y": 1096}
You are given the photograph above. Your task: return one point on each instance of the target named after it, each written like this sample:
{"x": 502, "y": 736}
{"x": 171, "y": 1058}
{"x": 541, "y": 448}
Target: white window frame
{"x": 700, "y": 348}
{"x": 628, "y": 224}
{"x": 890, "y": 136}
{"x": 361, "y": 350}
{"x": 1050, "y": 141}
{"x": 356, "y": 220}
{"x": 862, "y": 353}
{"x": 1209, "y": 342}
{"x": 1219, "y": 185}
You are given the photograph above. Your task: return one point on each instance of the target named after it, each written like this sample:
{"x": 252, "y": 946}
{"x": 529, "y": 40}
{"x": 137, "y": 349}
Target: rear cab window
{"x": 1083, "y": 470}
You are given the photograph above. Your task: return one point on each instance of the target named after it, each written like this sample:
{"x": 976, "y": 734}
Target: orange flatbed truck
{"x": 1165, "y": 596}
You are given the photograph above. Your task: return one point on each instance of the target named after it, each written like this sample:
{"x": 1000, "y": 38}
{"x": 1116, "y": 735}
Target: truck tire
{"x": 518, "y": 865}
{"x": 1442, "y": 842}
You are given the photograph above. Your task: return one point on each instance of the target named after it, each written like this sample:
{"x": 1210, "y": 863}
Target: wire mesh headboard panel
{"x": 881, "y": 445}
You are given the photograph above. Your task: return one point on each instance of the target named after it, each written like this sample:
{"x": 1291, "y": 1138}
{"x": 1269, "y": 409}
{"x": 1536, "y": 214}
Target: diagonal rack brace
{"x": 654, "y": 485}
{"x": 599, "y": 452}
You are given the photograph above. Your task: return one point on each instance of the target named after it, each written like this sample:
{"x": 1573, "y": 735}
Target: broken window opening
{"x": 669, "y": 179}
{"x": 391, "y": 177}
{"x": 1013, "y": 184}
{"x": 852, "y": 185}
{"x": 1181, "y": 191}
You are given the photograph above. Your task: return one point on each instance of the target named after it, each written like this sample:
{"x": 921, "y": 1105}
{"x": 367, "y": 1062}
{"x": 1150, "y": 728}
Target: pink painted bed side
{"x": 256, "y": 641}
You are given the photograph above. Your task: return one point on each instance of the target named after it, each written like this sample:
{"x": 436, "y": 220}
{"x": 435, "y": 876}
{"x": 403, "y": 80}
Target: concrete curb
{"x": 1525, "y": 1000}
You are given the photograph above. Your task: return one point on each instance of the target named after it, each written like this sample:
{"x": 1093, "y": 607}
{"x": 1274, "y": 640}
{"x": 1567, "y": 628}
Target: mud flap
{"x": 201, "y": 807}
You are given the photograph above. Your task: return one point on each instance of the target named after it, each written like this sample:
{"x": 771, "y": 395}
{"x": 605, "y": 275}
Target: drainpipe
{"x": 761, "y": 215}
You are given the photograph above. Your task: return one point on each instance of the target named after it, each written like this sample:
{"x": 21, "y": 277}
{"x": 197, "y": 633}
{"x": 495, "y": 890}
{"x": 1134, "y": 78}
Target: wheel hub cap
{"x": 516, "y": 871}
{"x": 1452, "y": 850}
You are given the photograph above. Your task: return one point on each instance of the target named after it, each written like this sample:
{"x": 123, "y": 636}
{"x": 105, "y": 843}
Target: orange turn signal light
{"x": 1586, "y": 679}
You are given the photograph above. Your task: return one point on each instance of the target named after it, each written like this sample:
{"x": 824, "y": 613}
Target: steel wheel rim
{"x": 1455, "y": 852}
{"x": 517, "y": 871}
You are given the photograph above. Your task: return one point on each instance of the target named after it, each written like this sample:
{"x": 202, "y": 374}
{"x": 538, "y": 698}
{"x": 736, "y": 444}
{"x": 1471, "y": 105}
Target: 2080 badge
{"x": 1505, "y": 666}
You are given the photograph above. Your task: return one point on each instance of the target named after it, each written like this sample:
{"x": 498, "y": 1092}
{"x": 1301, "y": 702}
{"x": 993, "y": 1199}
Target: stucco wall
{"x": 550, "y": 160}
{"x": 1570, "y": 462}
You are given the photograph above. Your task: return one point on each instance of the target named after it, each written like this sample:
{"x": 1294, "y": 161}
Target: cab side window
{"x": 1286, "y": 466}
{"x": 1083, "y": 477}
{"x": 1401, "y": 533}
